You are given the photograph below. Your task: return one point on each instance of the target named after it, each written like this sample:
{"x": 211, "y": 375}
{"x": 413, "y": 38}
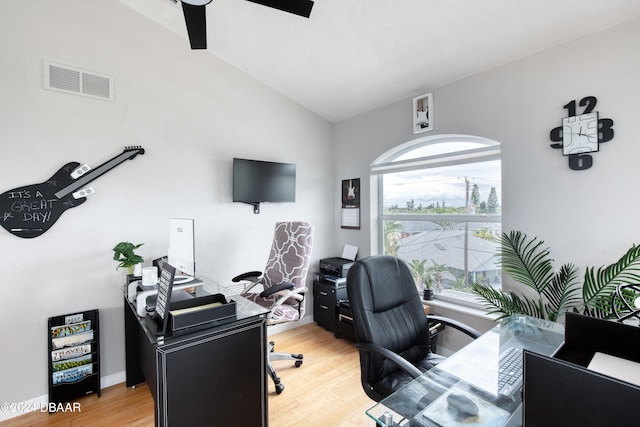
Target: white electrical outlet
{"x": 74, "y": 318}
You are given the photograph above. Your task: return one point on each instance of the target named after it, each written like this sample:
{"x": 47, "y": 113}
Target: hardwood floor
{"x": 325, "y": 391}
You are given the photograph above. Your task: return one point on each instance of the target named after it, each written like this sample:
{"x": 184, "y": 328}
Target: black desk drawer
{"x": 325, "y": 303}
{"x": 345, "y": 321}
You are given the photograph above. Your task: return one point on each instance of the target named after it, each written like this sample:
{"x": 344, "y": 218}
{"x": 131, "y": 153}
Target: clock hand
{"x": 580, "y": 132}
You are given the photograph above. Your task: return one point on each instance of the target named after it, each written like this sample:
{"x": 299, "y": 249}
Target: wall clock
{"x": 581, "y": 133}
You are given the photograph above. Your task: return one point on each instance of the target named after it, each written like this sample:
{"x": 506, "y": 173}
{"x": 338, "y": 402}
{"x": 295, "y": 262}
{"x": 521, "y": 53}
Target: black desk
{"x": 214, "y": 376}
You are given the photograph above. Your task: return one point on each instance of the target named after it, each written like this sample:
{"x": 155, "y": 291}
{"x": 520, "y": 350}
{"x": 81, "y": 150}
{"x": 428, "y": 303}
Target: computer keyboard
{"x": 510, "y": 371}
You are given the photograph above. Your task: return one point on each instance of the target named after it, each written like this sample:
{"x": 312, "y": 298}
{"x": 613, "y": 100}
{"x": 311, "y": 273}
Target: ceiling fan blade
{"x": 196, "y": 20}
{"x": 297, "y": 7}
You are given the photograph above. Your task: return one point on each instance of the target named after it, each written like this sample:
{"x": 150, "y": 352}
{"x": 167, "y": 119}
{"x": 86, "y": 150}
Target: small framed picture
{"x": 423, "y": 113}
{"x": 350, "y": 204}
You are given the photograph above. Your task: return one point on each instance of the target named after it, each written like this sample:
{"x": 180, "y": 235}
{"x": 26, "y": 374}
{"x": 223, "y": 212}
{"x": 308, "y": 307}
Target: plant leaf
{"x": 506, "y": 304}
{"x": 563, "y": 292}
{"x": 525, "y": 261}
{"x": 123, "y": 252}
{"x": 600, "y": 285}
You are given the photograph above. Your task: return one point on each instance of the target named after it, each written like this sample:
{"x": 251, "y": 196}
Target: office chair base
{"x": 273, "y": 356}
{"x": 275, "y": 378}
{"x": 287, "y": 356}
{"x": 284, "y": 356}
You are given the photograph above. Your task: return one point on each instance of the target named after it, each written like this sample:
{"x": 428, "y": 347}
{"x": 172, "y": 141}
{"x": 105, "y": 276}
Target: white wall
{"x": 191, "y": 112}
{"x": 586, "y": 217}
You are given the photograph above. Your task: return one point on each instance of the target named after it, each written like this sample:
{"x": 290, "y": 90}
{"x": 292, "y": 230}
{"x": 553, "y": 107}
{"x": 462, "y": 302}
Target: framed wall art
{"x": 350, "y": 215}
{"x": 423, "y": 113}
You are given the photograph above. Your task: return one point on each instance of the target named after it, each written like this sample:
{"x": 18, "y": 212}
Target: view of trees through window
{"x": 442, "y": 214}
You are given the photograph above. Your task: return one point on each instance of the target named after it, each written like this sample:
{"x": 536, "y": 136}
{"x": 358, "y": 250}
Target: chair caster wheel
{"x": 298, "y": 363}
{"x": 279, "y": 388}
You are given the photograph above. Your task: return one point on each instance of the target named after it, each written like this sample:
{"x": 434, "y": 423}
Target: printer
{"x": 335, "y": 266}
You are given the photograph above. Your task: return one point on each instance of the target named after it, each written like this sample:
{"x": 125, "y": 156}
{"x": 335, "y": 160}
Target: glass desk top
{"x": 471, "y": 372}
{"x": 245, "y": 309}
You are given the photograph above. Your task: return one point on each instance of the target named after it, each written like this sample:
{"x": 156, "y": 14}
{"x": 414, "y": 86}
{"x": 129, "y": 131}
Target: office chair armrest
{"x": 295, "y": 293}
{"x": 403, "y": 363}
{"x": 284, "y": 286}
{"x": 251, "y": 279}
{"x": 456, "y": 325}
{"x": 248, "y": 276}
{"x": 284, "y": 294}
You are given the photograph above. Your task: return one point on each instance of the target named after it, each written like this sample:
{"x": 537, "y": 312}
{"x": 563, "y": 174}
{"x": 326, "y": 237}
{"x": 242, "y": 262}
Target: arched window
{"x": 440, "y": 210}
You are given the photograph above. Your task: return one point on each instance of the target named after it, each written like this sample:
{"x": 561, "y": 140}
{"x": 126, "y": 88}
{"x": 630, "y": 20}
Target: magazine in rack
{"x": 74, "y": 356}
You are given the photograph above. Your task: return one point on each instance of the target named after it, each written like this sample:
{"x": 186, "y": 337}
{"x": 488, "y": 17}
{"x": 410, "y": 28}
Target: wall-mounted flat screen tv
{"x": 256, "y": 181}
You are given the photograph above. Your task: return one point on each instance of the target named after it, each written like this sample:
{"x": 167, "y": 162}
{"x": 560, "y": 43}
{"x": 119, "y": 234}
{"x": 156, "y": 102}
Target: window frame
{"x": 489, "y": 150}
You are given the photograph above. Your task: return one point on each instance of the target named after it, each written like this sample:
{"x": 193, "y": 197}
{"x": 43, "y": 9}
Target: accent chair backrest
{"x": 290, "y": 255}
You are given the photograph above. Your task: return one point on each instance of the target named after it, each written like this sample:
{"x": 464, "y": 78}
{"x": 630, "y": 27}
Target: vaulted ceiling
{"x": 352, "y": 56}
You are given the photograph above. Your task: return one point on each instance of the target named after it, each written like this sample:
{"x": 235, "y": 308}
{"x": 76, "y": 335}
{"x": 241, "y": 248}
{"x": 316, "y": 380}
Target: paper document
{"x": 616, "y": 367}
{"x": 350, "y": 252}
{"x": 195, "y": 308}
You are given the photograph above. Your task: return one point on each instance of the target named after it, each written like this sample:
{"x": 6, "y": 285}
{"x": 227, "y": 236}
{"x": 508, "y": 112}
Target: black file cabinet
{"x": 345, "y": 322}
{"x": 326, "y": 296}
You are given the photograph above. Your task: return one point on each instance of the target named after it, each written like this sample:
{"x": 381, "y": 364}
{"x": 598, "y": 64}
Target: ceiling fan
{"x": 195, "y": 17}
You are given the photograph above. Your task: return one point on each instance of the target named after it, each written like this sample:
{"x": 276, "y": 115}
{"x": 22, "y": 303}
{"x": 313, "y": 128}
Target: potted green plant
{"x": 429, "y": 279}
{"x": 125, "y": 255}
{"x": 436, "y": 272}
{"x": 428, "y": 291}
{"x": 529, "y": 263}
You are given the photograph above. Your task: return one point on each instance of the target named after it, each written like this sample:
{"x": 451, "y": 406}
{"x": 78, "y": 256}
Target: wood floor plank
{"x": 325, "y": 391}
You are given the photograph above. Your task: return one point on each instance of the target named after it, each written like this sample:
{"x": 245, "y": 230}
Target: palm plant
{"x": 391, "y": 232}
{"x": 420, "y": 274}
{"x": 435, "y": 271}
{"x": 529, "y": 263}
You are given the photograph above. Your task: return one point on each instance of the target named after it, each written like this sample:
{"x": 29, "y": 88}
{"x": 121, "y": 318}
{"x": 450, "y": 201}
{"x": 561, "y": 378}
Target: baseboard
{"x": 276, "y": 329}
{"x": 113, "y": 379}
{"x": 40, "y": 403}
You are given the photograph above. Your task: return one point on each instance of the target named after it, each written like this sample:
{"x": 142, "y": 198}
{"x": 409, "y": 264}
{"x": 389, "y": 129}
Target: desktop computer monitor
{"x": 181, "y": 252}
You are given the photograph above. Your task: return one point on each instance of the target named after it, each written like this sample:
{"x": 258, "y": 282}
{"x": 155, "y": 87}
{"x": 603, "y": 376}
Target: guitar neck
{"x": 95, "y": 173}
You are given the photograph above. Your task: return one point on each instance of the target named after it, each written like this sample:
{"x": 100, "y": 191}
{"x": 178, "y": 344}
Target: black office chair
{"x": 392, "y": 329}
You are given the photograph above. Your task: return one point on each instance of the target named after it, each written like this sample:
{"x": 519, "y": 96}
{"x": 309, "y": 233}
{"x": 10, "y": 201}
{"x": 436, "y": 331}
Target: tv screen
{"x": 256, "y": 181}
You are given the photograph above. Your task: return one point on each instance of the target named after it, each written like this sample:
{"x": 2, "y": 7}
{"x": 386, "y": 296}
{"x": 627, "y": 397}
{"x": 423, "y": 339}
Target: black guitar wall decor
{"x": 31, "y": 210}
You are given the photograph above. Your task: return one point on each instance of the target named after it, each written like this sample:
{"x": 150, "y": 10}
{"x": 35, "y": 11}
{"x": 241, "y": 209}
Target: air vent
{"x": 63, "y": 78}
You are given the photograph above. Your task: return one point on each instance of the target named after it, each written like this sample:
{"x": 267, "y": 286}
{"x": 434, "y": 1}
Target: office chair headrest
{"x": 384, "y": 273}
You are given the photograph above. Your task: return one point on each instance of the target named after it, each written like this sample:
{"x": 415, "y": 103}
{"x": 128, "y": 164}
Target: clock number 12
{"x": 589, "y": 102}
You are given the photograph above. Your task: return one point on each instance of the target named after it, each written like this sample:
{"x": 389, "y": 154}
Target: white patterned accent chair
{"x": 282, "y": 286}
